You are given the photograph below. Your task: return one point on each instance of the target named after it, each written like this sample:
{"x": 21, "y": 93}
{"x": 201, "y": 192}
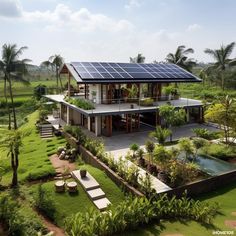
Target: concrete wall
{"x": 206, "y": 185}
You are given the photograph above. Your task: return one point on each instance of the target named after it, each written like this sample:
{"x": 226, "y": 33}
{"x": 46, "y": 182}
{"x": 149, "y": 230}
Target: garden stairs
{"x": 46, "y": 131}
{"x": 92, "y": 188}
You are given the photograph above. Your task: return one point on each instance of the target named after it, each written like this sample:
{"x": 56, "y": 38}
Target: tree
{"x": 222, "y": 61}
{"x": 150, "y": 146}
{"x": 172, "y": 116}
{"x": 55, "y": 61}
{"x": 12, "y": 141}
{"x": 160, "y": 134}
{"x": 187, "y": 147}
{"x": 224, "y": 114}
{"x": 199, "y": 143}
{"x": 181, "y": 59}
{"x": 13, "y": 69}
{"x": 138, "y": 59}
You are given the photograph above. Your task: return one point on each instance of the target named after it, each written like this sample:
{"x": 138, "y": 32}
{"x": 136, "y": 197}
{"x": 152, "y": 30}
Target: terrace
{"x": 118, "y": 107}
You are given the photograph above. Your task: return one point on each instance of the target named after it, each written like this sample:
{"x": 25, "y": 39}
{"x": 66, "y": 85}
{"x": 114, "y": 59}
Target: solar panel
{"x": 102, "y": 71}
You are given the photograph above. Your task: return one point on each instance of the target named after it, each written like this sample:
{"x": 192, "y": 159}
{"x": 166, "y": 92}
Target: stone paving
{"x": 92, "y": 187}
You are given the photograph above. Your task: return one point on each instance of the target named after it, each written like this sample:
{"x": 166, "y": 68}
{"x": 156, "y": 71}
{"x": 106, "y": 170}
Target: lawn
{"x": 34, "y": 161}
{"x": 225, "y": 196}
{"x": 35, "y": 164}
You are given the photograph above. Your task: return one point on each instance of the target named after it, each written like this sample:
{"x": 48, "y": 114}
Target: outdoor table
{"x": 72, "y": 187}
{"x": 60, "y": 186}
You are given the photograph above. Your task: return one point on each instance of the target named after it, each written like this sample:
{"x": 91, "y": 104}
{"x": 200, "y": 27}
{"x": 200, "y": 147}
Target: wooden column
{"x": 109, "y": 126}
{"x": 158, "y": 118}
{"x": 69, "y": 85}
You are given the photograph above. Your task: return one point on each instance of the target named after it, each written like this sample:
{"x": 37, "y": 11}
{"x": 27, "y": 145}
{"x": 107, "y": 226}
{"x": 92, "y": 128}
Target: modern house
{"x": 122, "y": 97}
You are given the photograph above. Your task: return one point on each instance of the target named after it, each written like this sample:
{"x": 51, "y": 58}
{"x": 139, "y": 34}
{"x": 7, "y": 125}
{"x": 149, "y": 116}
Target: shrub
{"x": 134, "y": 147}
{"x": 138, "y": 211}
{"x": 81, "y": 103}
{"x": 146, "y": 102}
{"x": 44, "y": 203}
{"x": 206, "y": 134}
{"x": 220, "y": 151}
{"x": 17, "y": 220}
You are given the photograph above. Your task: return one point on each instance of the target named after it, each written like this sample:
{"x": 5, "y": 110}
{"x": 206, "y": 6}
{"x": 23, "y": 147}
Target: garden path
{"x": 61, "y": 165}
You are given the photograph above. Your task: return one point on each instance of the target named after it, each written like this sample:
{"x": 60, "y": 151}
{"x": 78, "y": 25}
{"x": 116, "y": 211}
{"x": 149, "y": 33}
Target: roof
{"x": 105, "y": 72}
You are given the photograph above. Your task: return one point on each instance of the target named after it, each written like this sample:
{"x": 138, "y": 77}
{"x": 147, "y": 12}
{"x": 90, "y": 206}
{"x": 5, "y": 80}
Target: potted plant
{"x": 141, "y": 161}
{"x": 94, "y": 94}
{"x": 132, "y": 94}
{"x": 175, "y": 93}
{"x": 83, "y": 173}
{"x": 167, "y": 91}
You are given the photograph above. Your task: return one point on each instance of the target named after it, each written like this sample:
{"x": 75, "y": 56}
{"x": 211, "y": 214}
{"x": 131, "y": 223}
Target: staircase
{"x": 46, "y": 131}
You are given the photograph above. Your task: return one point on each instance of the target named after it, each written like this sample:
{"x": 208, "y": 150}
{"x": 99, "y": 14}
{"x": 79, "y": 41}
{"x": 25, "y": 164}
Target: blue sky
{"x": 114, "y": 30}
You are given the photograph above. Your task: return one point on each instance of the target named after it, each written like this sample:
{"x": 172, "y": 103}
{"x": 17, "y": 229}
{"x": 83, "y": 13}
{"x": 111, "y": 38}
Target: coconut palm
{"x": 139, "y": 59}
{"x": 180, "y": 58}
{"x": 13, "y": 69}
{"x": 55, "y": 62}
{"x": 222, "y": 61}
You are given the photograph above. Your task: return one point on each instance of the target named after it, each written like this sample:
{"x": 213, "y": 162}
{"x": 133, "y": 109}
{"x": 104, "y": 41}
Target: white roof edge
{"x": 73, "y": 72}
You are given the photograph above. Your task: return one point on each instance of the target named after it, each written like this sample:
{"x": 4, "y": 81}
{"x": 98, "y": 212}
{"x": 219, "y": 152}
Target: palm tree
{"x": 181, "y": 59}
{"x": 13, "y": 69}
{"x": 222, "y": 61}
{"x": 12, "y": 141}
{"x": 55, "y": 61}
{"x": 160, "y": 134}
{"x": 139, "y": 59}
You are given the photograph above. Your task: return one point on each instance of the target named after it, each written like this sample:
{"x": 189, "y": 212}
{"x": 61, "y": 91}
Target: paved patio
{"x": 119, "y": 144}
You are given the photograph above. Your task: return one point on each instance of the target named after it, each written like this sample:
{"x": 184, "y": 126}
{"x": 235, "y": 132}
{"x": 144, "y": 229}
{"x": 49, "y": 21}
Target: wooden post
{"x": 69, "y": 85}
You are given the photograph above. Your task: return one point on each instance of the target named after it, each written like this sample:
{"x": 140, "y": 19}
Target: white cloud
{"x": 10, "y": 8}
{"x": 194, "y": 27}
{"x": 82, "y": 20}
{"x": 132, "y": 4}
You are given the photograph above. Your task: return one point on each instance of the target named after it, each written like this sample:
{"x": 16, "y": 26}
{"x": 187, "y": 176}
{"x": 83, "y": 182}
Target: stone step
{"x": 58, "y": 177}
{"x": 96, "y": 194}
{"x": 102, "y": 203}
{"x": 88, "y": 183}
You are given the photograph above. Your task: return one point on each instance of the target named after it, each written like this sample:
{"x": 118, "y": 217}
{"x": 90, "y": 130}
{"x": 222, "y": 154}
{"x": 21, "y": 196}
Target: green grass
{"x": 67, "y": 204}
{"x": 225, "y": 197}
{"x": 33, "y": 160}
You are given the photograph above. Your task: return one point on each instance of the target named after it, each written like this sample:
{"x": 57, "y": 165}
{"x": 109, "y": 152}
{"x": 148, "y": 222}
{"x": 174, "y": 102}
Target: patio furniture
{"x": 60, "y": 186}
{"x": 72, "y": 187}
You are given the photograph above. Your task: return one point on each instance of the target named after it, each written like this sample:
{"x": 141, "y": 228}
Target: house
{"x": 122, "y": 97}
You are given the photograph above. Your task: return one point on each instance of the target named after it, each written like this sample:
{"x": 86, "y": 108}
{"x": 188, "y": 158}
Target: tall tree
{"x": 13, "y": 69}
{"x": 55, "y": 61}
{"x": 224, "y": 114}
{"x": 172, "y": 116}
{"x": 222, "y": 61}
{"x": 138, "y": 59}
{"x": 180, "y": 58}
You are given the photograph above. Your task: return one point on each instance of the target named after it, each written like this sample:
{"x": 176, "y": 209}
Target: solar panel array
{"x": 132, "y": 71}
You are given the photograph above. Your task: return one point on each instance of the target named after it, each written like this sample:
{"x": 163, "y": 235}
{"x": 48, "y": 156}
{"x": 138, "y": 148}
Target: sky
{"x": 114, "y": 30}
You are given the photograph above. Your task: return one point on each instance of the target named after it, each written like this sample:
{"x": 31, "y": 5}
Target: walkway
{"x": 61, "y": 165}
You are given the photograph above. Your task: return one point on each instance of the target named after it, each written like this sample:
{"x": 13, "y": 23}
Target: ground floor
{"x": 122, "y": 122}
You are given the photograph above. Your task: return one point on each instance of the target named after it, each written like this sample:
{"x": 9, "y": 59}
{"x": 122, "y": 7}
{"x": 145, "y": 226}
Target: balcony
{"x": 116, "y": 106}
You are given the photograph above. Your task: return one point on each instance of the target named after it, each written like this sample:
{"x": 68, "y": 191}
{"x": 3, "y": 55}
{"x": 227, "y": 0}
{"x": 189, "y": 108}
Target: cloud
{"x": 132, "y": 4}
{"x": 82, "y": 20}
{"x": 193, "y": 27}
{"x": 10, "y": 8}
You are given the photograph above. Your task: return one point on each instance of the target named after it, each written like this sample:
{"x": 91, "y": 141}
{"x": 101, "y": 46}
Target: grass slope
{"x": 225, "y": 196}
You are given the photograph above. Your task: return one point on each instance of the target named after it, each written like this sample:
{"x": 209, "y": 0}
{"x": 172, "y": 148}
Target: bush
{"x": 206, "y": 134}
{"x": 138, "y": 211}
{"x": 146, "y": 102}
{"x": 81, "y": 103}
{"x": 220, "y": 151}
{"x": 17, "y": 220}
{"x": 44, "y": 203}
